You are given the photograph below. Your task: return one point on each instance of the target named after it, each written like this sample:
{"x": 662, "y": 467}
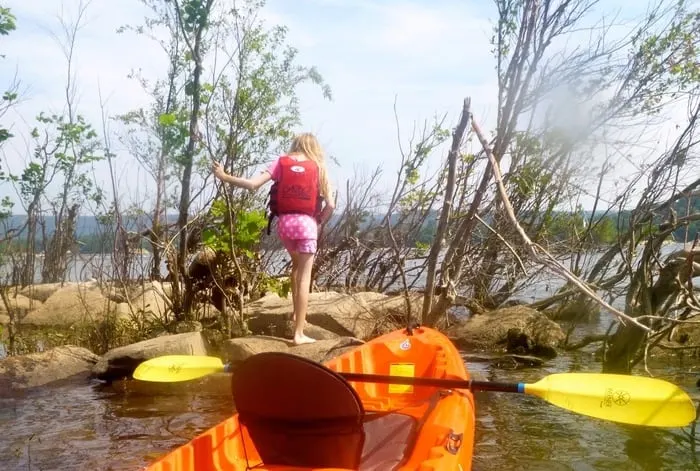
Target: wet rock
{"x": 686, "y": 334}
{"x": 517, "y": 361}
{"x": 516, "y": 329}
{"x": 505, "y": 361}
{"x": 479, "y": 358}
{"x": 235, "y": 351}
{"x": 519, "y": 342}
{"x": 38, "y": 369}
{"x": 122, "y": 361}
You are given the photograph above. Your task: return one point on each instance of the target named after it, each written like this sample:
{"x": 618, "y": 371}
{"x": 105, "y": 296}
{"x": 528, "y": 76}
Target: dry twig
{"x": 538, "y": 252}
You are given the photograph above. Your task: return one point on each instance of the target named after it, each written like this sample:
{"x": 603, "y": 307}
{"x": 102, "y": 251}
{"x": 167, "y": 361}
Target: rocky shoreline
{"x": 515, "y": 335}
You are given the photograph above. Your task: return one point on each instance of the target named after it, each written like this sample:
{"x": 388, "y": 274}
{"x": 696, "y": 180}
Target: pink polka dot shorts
{"x": 298, "y": 232}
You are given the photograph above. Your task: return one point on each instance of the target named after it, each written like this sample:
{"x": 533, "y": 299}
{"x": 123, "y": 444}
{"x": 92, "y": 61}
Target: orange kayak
{"x": 295, "y": 414}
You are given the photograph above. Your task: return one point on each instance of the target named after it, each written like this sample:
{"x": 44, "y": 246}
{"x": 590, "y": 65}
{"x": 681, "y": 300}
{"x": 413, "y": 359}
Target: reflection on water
{"x": 78, "y": 426}
{"x": 88, "y": 426}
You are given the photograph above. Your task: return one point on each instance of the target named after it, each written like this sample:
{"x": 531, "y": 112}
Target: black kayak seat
{"x": 298, "y": 412}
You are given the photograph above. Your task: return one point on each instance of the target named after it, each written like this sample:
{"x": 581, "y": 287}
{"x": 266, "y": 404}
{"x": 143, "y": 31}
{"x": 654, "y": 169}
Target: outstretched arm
{"x": 251, "y": 184}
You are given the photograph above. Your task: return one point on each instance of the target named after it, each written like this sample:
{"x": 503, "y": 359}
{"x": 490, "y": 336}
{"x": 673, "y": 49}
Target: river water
{"x": 83, "y": 425}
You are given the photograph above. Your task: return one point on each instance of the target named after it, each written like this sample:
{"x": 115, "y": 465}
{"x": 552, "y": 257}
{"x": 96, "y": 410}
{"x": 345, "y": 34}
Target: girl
{"x": 298, "y": 232}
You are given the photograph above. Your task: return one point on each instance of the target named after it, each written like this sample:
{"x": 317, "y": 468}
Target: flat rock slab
{"x": 39, "y": 369}
{"x": 280, "y": 325}
{"x": 235, "y": 351}
{"x": 122, "y": 361}
{"x": 360, "y": 315}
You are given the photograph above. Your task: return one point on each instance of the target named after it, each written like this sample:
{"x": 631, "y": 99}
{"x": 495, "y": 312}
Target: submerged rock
{"x": 514, "y": 362}
{"x": 517, "y": 329}
{"x": 38, "y": 369}
{"x": 504, "y": 360}
{"x": 122, "y": 361}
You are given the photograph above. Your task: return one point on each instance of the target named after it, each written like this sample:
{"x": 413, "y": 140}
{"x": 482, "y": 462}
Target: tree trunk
{"x": 445, "y": 213}
{"x": 184, "y": 205}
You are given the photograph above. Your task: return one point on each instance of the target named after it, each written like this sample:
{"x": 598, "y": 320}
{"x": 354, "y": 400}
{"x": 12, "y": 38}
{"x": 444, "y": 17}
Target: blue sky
{"x": 428, "y": 55}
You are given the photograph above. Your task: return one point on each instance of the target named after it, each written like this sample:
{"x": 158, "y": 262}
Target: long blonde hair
{"x": 307, "y": 144}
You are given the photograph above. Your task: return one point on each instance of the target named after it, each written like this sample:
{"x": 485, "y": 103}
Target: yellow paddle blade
{"x": 628, "y": 399}
{"x": 173, "y": 368}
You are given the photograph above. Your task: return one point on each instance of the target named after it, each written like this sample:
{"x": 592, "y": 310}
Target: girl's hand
{"x": 218, "y": 170}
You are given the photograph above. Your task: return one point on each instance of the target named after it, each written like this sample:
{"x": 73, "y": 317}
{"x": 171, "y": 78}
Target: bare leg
{"x": 301, "y": 300}
{"x": 293, "y": 281}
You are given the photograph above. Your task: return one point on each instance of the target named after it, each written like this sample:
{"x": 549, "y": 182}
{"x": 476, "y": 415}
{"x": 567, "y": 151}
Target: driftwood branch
{"x": 505, "y": 242}
{"x": 538, "y": 252}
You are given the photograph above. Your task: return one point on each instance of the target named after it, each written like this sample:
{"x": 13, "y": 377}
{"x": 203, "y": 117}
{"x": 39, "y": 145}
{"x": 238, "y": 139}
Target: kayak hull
{"x": 406, "y": 428}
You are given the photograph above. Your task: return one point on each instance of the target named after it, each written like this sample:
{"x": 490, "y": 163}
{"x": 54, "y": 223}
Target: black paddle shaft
{"x": 435, "y": 382}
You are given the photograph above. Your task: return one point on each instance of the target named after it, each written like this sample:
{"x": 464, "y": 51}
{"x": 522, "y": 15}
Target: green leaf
{"x": 7, "y": 21}
{"x": 167, "y": 119}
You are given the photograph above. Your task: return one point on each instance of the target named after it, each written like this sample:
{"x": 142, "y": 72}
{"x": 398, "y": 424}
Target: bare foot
{"x": 302, "y": 339}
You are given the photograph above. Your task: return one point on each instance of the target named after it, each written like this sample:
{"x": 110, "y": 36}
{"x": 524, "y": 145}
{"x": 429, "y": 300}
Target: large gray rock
{"x": 75, "y": 303}
{"x": 360, "y": 315}
{"x": 516, "y": 329}
{"x": 122, "y": 361}
{"x": 18, "y": 301}
{"x": 19, "y": 306}
{"x": 42, "y": 292}
{"x": 235, "y": 351}
{"x": 38, "y": 369}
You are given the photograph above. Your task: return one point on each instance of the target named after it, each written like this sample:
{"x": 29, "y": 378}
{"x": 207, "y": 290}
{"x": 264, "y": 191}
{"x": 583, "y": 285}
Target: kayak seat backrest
{"x": 298, "y": 412}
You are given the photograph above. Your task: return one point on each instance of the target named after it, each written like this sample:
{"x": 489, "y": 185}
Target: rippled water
{"x": 81, "y": 426}
{"x": 517, "y": 432}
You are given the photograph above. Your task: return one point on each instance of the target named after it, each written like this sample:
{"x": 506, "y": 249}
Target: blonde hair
{"x": 308, "y": 145}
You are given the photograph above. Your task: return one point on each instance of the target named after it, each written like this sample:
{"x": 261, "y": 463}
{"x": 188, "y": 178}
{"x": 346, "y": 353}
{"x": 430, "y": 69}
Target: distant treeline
{"x": 96, "y": 234}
